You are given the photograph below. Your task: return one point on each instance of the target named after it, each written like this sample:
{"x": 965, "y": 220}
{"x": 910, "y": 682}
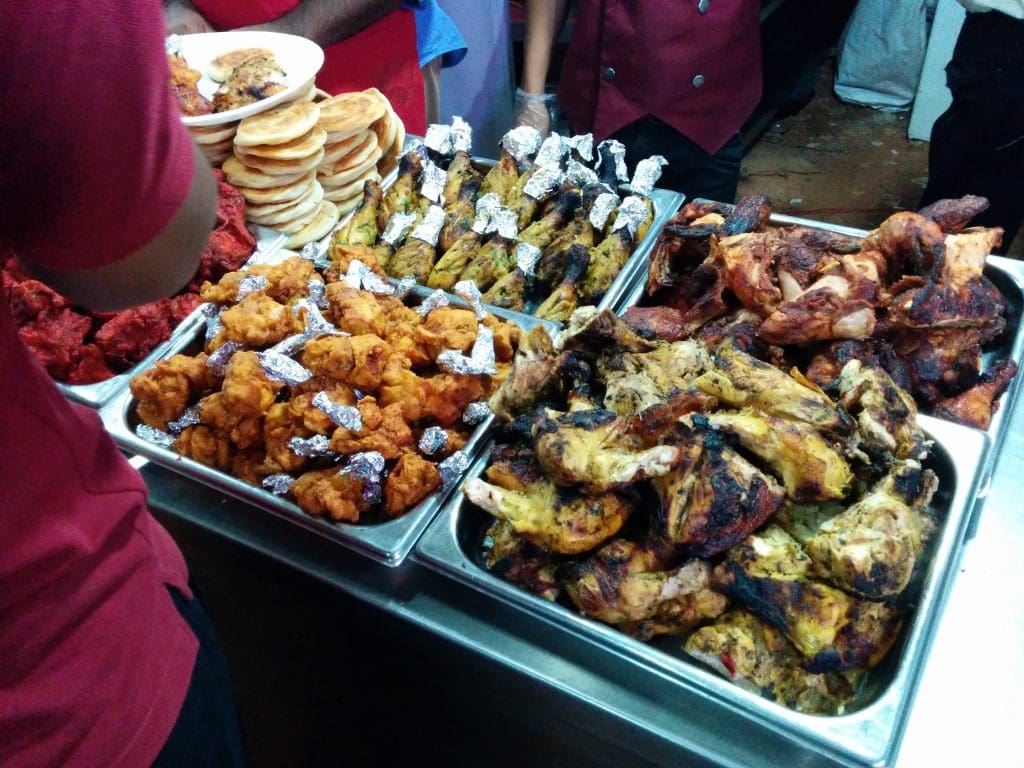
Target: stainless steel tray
{"x": 869, "y": 735}
{"x": 1006, "y": 274}
{"x": 102, "y": 392}
{"x": 388, "y": 542}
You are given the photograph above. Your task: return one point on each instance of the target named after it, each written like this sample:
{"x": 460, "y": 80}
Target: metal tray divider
{"x": 868, "y": 736}
{"x": 387, "y": 542}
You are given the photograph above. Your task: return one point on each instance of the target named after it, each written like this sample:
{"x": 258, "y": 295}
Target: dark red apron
{"x": 382, "y": 56}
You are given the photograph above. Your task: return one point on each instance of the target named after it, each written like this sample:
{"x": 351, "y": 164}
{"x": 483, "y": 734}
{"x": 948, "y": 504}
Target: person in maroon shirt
{"x": 106, "y": 659}
{"x": 671, "y": 77}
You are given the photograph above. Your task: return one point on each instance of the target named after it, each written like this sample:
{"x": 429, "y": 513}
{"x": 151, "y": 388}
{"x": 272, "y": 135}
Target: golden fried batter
{"x": 250, "y": 465}
{"x": 243, "y": 430}
{"x": 285, "y": 281}
{"x": 355, "y": 360}
{"x": 329, "y": 492}
{"x": 163, "y": 392}
{"x": 356, "y": 312}
{"x": 384, "y": 430}
{"x": 506, "y": 337}
{"x": 247, "y": 390}
{"x": 342, "y": 255}
{"x": 449, "y": 396}
{"x": 281, "y": 424}
{"x": 447, "y": 328}
{"x": 258, "y": 320}
{"x": 399, "y": 385}
{"x": 205, "y": 446}
{"x": 411, "y": 481}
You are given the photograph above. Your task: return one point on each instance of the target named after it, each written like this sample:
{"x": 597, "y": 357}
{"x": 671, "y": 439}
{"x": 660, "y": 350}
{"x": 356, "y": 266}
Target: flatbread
{"x": 278, "y": 126}
{"x": 359, "y": 155}
{"x": 351, "y": 205}
{"x": 283, "y": 167}
{"x": 350, "y": 111}
{"x": 279, "y": 194}
{"x": 220, "y": 68}
{"x": 280, "y": 215}
{"x": 299, "y": 148}
{"x": 262, "y": 210}
{"x": 337, "y": 177}
{"x": 203, "y": 138}
{"x": 326, "y": 219}
{"x": 338, "y": 194}
{"x": 243, "y": 176}
{"x": 293, "y": 226}
{"x": 334, "y": 151}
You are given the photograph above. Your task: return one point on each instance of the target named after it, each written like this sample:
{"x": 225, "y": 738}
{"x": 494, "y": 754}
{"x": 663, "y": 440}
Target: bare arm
{"x": 544, "y": 20}
{"x": 328, "y": 21}
{"x": 182, "y": 19}
{"x": 156, "y": 270}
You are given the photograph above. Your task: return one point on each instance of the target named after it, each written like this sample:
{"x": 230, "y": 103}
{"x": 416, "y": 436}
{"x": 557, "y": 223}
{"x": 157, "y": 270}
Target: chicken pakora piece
{"x": 244, "y": 431}
{"x": 285, "y": 281}
{"x": 205, "y": 445}
{"x": 164, "y": 391}
{"x": 383, "y": 430}
{"x": 355, "y": 360}
{"x": 246, "y": 389}
{"x": 258, "y": 320}
{"x": 328, "y": 492}
{"x": 410, "y": 482}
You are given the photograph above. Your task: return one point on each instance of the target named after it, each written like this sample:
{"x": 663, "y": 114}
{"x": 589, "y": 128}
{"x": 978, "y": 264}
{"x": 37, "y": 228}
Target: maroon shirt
{"x": 698, "y": 72}
{"x": 95, "y": 661}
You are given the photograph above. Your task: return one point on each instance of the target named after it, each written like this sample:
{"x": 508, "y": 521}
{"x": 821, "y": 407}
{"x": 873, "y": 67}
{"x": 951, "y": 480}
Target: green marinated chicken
{"x": 449, "y": 267}
{"x": 550, "y": 268}
{"x": 459, "y": 215}
{"x": 402, "y": 197}
{"x": 494, "y": 260}
{"x": 606, "y": 261}
{"x": 362, "y": 228}
{"x": 460, "y": 170}
{"x": 543, "y": 231}
{"x": 507, "y": 292}
{"x": 502, "y": 177}
{"x": 562, "y": 301}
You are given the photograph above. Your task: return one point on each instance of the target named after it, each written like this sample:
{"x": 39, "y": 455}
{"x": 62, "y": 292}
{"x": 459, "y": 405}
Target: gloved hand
{"x": 534, "y": 109}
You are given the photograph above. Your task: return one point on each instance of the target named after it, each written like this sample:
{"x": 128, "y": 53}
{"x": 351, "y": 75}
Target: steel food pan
{"x": 868, "y": 734}
{"x": 102, "y": 392}
{"x": 388, "y": 542}
{"x": 1006, "y": 274}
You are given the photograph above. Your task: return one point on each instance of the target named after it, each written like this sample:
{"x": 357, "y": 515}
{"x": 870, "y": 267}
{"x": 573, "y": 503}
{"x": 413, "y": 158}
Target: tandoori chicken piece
{"x": 886, "y": 414}
{"x": 976, "y": 406}
{"x": 502, "y": 177}
{"x": 543, "y": 231}
{"x": 739, "y": 380}
{"x": 253, "y": 80}
{"x": 184, "y": 84}
{"x": 591, "y": 448}
{"x": 759, "y": 658}
{"x": 561, "y": 520}
{"x": 713, "y": 498}
{"x": 769, "y": 575}
{"x": 460, "y": 172}
{"x": 459, "y": 215}
{"x": 511, "y": 557}
{"x": 635, "y": 381}
{"x": 494, "y": 259}
{"x": 953, "y": 215}
{"x": 550, "y": 268}
{"x": 810, "y": 467}
{"x": 607, "y": 259}
{"x": 631, "y": 584}
{"x": 748, "y": 268}
{"x": 870, "y": 548}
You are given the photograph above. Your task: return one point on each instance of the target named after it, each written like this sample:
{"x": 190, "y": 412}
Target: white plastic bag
{"x": 881, "y": 53}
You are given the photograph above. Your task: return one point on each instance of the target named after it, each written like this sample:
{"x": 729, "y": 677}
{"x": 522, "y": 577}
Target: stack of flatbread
{"x": 274, "y": 165}
{"x": 364, "y": 136}
{"x": 216, "y": 141}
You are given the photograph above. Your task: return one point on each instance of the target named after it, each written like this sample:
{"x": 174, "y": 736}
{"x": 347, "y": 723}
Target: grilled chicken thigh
{"x": 251, "y": 81}
{"x": 870, "y": 548}
{"x": 629, "y": 584}
{"x": 886, "y": 414}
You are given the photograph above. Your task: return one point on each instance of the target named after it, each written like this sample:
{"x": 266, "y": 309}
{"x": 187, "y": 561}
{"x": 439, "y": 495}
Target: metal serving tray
{"x": 869, "y": 735}
{"x": 388, "y": 542}
{"x": 102, "y": 392}
{"x": 1006, "y": 274}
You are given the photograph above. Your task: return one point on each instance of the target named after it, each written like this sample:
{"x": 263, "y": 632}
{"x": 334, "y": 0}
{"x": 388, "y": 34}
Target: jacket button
{"x": 608, "y": 74}
{"x": 702, "y": 6}
{"x": 698, "y": 81}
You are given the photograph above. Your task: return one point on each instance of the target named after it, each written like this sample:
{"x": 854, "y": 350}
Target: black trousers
{"x": 207, "y": 733}
{"x": 977, "y": 145}
{"x": 690, "y": 170}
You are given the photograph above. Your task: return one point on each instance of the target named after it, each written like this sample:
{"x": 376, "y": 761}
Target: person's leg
{"x": 690, "y": 170}
{"x": 207, "y": 733}
{"x": 977, "y": 145}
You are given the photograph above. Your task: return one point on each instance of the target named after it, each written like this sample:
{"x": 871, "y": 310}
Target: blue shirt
{"x": 436, "y": 34}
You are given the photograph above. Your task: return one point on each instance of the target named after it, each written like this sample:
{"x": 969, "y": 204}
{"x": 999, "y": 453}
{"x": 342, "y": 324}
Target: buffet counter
{"x": 964, "y": 710}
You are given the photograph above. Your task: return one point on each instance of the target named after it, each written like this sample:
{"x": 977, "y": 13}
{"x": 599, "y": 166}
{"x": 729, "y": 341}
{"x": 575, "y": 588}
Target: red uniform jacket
{"x": 383, "y": 55}
{"x": 698, "y": 72}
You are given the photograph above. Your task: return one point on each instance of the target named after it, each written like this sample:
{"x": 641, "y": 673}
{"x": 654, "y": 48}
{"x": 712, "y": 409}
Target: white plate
{"x": 300, "y": 59}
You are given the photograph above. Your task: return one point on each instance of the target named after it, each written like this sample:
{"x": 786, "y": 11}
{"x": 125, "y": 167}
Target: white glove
{"x": 535, "y": 109}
